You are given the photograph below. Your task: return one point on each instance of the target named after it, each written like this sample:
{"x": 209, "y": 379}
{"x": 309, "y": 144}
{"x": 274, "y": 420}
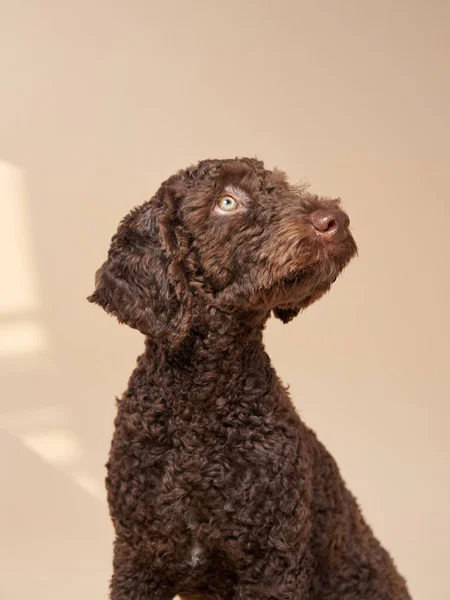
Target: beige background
{"x": 102, "y": 100}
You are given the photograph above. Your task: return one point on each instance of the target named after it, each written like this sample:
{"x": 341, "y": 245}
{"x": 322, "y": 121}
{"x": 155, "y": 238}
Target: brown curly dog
{"x": 216, "y": 488}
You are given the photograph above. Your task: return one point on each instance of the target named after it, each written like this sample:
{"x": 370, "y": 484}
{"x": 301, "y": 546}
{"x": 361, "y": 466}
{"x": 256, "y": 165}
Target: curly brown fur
{"x": 217, "y": 490}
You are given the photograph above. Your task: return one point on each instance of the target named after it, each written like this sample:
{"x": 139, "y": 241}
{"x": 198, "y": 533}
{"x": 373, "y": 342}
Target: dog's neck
{"x": 221, "y": 352}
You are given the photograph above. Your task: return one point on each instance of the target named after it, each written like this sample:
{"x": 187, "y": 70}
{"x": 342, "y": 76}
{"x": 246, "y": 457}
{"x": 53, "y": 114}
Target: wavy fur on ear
{"x": 142, "y": 281}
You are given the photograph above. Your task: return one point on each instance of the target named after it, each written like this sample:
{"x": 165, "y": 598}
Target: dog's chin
{"x": 298, "y": 293}
{"x": 302, "y": 285}
{"x": 299, "y": 283}
{"x": 298, "y": 287}
{"x": 323, "y": 271}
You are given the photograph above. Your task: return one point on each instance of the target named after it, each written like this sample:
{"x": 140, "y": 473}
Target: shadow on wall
{"x": 54, "y": 522}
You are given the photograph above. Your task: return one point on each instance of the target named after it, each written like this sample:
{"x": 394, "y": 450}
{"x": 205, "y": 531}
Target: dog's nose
{"x": 331, "y": 224}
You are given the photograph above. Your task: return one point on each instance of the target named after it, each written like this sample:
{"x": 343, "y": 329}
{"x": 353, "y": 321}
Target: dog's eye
{"x": 226, "y": 204}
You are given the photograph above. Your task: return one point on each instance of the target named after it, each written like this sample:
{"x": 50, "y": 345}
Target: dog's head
{"x": 224, "y": 234}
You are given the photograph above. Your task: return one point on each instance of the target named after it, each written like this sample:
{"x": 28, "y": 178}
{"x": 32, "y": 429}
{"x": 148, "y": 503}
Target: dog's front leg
{"x": 134, "y": 579}
{"x": 276, "y": 575}
{"x": 284, "y": 586}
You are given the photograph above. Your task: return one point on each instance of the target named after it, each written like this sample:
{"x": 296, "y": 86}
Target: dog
{"x": 216, "y": 488}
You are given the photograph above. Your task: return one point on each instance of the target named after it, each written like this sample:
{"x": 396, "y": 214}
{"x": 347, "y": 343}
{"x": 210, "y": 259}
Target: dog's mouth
{"x": 301, "y": 277}
{"x": 326, "y": 266}
{"x": 315, "y": 274}
{"x": 301, "y": 284}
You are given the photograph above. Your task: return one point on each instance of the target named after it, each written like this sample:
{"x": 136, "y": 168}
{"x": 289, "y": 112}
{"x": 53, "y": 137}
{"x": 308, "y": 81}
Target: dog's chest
{"x": 190, "y": 483}
{"x": 190, "y": 495}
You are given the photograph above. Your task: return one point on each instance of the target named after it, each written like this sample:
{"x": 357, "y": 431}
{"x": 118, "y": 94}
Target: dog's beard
{"x": 292, "y": 285}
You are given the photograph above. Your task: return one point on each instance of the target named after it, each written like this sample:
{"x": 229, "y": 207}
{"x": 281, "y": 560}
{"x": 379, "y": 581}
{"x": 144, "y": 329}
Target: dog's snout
{"x": 331, "y": 224}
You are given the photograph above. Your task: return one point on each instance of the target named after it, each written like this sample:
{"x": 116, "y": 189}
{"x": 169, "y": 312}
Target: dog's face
{"x": 230, "y": 231}
{"x": 259, "y": 241}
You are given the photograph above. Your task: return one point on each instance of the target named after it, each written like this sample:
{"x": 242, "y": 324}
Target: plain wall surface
{"x": 101, "y": 101}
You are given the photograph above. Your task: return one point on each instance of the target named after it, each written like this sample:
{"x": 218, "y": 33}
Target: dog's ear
{"x": 286, "y": 314}
{"x": 142, "y": 281}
